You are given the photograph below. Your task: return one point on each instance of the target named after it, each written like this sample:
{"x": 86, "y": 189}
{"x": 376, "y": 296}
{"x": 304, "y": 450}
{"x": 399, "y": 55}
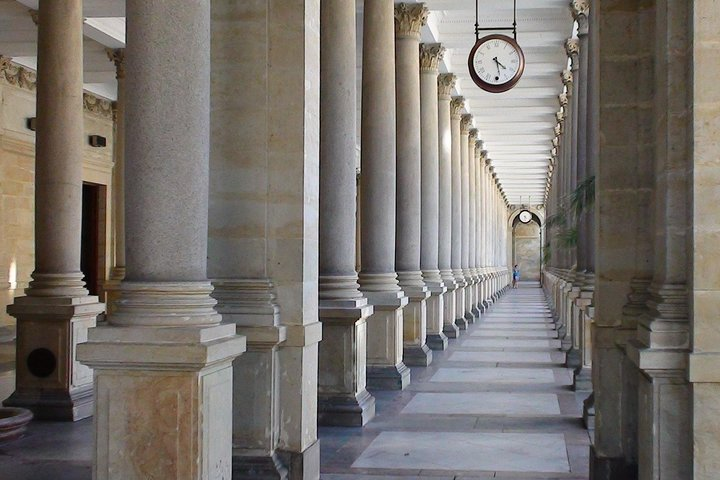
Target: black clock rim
{"x": 503, "y": 87}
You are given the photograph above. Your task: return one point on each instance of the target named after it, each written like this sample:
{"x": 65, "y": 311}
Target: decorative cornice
{"x": 117, "y": 56}
{"x": 446, "y": 82}
{"x": 466, "y": 123}
{"x": 430, "y": 56}
{"x": 409, "y": 19}
{"x": 17, "y": 75}
{"x": 456, "y": 106}
{"x": 97, "y": 106}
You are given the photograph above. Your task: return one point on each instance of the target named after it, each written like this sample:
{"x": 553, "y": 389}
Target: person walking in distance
{"x": 516, "y": 276}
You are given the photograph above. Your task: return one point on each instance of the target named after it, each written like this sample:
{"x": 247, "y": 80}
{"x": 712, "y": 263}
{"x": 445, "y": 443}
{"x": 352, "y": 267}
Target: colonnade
{"x": 235, "y": 238}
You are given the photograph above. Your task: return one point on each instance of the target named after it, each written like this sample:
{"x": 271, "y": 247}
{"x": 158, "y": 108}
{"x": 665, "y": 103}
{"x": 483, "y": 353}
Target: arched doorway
{"x": 527, "y": 245}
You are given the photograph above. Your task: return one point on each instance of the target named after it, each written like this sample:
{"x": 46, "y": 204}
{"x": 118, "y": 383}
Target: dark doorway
{"x": 92, "y": 254}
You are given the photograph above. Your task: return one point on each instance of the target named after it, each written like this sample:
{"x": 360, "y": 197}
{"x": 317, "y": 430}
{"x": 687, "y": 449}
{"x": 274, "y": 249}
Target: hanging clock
{"x": 496, "y": 63}
{"x": 525, "y": 216}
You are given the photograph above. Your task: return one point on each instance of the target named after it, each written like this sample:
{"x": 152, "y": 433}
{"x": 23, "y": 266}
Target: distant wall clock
{"x": 525, "y": 216}
{"x": 496, "y": 63}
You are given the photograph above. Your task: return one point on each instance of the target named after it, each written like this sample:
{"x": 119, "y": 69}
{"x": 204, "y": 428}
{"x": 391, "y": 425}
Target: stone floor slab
{"x": 513, "y": 333}
{"x": 494, "y": 375}
{"x": 502, "y": 357}
{"x": 510, "y": 342}
{"x": 484, "y": 403}
{"x": 509, "y": 452}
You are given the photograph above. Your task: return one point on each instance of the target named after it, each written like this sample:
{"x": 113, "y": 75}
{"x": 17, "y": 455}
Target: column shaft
{"x": 142, "y": 367}
{"x": 56, "y": 311}
{"x": 430, "y": 56}
{"x": 456, "y": 106}
{"x": 343, "y": 399}
{"x": 409, "y": 18}
{"x": 446, "y": 82}
{"x": 378, "y": 279}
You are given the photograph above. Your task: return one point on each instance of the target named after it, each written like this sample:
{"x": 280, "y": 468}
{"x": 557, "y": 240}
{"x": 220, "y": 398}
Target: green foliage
{"x": 562, "y": 226}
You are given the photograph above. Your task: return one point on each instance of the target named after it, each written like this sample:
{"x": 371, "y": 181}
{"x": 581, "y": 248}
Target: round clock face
{"x": 496, "y": 63}
{"x": 525, "y": 216}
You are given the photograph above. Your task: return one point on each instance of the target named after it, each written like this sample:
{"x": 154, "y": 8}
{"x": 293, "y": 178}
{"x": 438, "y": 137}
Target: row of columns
{"x": 197, "y": 242}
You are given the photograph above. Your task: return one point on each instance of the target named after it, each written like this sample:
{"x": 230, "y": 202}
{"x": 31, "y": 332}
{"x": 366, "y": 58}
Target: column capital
{"x": 556, "y": 139}
{"x": 484, "y": 156}
{"x": 572, "y": 50}
{"x": 35, "y": 15}
{"x": 563, "y": 99}
{"x": 446, "y": 82}
{"x": 430, "y": 56}
{"x": 567, "y": 78}
{"x": 465, "y": 124}
{"x": 479, "y": 149}
{"x": 456, "y": 106}
{"x": 409, "y": 18}
{"x": 473, "y": 136}
{"x": 580, "y": 10}
{"x": 117, "y": 56}
{"x": 560, "y": 116}
{"x": 558, "y": 130}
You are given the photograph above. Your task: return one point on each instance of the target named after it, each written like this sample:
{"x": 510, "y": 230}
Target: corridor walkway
{"x": 496, "y": 404}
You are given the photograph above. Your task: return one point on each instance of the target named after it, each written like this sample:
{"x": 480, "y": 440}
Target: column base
{"x": 610, "y": 468}
{"x": 346, "y": 411}
{"x": 395, "y": 377}
{"x": 50, "y": 381}
{"x": 589, "y": 412}
{"x": 461, "y": 323}
{"x": 582, "y": 380}
{"x": 303, "y": 465}
{"x": 437, "y": 341}
{"x": 451, "y": 331}
{"x": 64, "y": 406}
{"x": 258, "y": 467}
{"x": 417, "y": 355}
{"x": 469, "y": 317}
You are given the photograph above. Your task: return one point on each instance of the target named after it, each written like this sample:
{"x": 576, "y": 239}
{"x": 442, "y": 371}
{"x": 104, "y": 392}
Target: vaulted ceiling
{"x": 516, "y": 126}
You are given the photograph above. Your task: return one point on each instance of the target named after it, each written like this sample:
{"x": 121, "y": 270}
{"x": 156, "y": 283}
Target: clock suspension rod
{"x": 495, "y": 29}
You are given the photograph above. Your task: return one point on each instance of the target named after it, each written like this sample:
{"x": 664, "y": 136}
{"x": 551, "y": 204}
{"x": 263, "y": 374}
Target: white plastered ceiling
{"x": 516, "y": 127}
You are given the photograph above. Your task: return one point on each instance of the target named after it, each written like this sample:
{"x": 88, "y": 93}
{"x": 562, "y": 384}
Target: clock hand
{"x": 497, "y": 64}
{"x": 503, "y": 66}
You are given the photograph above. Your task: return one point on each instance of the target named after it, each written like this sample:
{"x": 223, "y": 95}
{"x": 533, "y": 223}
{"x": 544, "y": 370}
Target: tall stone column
{"x": 430, "y": 56}
{"x": 479, "y": 231}
{"x": 624, "y": 232}
{"x": 378, "y": 280}
{"x": 705, "y": 283}
{"x": 482, "y": 167}
{"x": 446, "y": 82}
{"x": 465, "y": 126}
{"x": 456, "y": 106}
{"x": 409, "y": 18}
{"x": 264, "y": 227}
{"x": 472, "y": 260}
{"x": 660, "y": 350}
{"x": 343, "y": 399}
{"x": 117, "y": 272}
{"x": 56, "y": 311}
{"x": 163, "y": 365}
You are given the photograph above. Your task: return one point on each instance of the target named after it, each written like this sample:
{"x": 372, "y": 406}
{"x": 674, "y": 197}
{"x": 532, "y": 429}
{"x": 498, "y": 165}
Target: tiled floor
{"x": 496, "y": 404}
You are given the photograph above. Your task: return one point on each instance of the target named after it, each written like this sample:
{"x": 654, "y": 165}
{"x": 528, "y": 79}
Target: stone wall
{"x": 526, "y": 250}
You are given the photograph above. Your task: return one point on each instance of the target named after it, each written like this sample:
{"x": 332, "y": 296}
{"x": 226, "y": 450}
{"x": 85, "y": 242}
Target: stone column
{"x": 572, "y": 47}
{"x": 624, "y": 233}
{"x": 264, "y": 226}
{"x": 483, "y": 230}
{"x": 456, "y": 106}
{"x": 446, "y": 82}
{"x": 56, "y": 311}
{"x": 409, "y": 18}
{"x": 705, "y": 283}
{"x": 378, "y": 280}
{"x": 479, "y": 166}
{"x": 472, "y": 260}
{"x": 343, "y": 399}
{"x": 660, "y": 350}
{"x": 163, "y": 364}
{"x": 430, "y": 56}
{"x": 117, "y": 272}
{"x": 465, "y": 125}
